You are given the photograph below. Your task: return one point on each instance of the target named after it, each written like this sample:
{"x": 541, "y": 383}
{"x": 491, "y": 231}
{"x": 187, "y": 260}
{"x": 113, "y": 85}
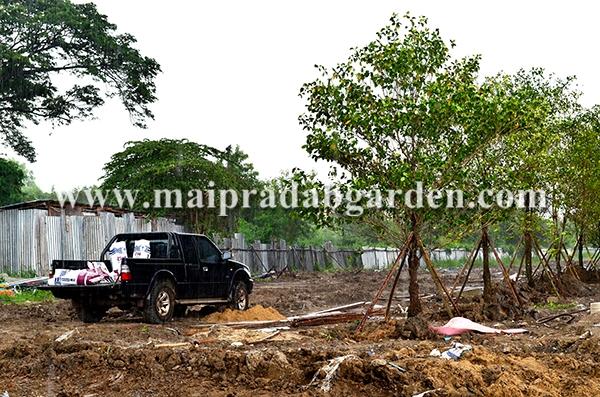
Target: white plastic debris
{"x": 330, "y": 370}
{"x": 435, "y": 353}
{"x": 425, "y": 393}
{"x": 453, "y": 353}
{"x": 237, "y": 344}
{"x": 64, "y": 336}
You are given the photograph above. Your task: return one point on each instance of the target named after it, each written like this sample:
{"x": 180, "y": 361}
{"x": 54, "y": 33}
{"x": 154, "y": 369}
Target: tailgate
{"x": 79, "y": 291}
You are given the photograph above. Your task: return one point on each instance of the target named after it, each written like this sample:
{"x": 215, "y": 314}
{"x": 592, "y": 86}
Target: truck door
{"x": 193, "y": 268}
{"x": 216, "y": 271}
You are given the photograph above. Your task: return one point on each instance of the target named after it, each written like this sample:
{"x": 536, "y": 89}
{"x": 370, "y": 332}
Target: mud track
{"x": 121, "y": 356}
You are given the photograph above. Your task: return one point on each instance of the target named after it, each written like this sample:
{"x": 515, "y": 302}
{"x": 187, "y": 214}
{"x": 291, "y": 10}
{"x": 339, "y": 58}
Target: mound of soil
{"x": 255, "y": 313}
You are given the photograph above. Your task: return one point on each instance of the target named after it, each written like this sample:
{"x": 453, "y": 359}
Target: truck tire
{"x": 160, "y": 303}
{"x": 240, "y": 299}
{"x": 89, "y": 313}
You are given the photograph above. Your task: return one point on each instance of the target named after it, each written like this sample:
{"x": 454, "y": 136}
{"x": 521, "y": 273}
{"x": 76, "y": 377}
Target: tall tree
{"x": 167, "y": 164}
{"x": 400, "y": 111}
{"x": 12, "y": 179}
{"x": 41, "y": 39}
{"x": 577, "y": 174}
{"x": 274, "y": 223}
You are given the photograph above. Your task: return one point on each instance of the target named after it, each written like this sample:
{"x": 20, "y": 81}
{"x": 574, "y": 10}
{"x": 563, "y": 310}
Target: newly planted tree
{"x": 401, "y": 111}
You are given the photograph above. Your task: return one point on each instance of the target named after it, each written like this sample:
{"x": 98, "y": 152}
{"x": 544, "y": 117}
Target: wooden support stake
{"x": 259, "y": 259}
{"x": 468, "y": 264}
{"x": 512, "y": 261}
{"x": 385, "y": 282}
{"x": 520, "y": 268}
{"x": 394, "y": 284}
{"x": 507, "y": 279}
{"x": 446, "y": 298}
{"x": 468, "y": 273}
{"x": 544, "y": 263}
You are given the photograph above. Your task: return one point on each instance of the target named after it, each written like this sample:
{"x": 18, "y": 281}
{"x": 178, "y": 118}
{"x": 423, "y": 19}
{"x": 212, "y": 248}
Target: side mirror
{"x": 227, "y": 255}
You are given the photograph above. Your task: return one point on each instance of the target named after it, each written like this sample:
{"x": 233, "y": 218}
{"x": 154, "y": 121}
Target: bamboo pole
{"x": 507, "y": 279}
{"x": 385, "y": 282}
{"x": 446, "y": 298}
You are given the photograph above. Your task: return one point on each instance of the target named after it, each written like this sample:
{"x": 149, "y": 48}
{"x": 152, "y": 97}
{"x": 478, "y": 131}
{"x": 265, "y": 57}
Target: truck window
{"x": 188, "y": 246}
{"x": 208, "y": 252}
{"x": 158, "y": 248}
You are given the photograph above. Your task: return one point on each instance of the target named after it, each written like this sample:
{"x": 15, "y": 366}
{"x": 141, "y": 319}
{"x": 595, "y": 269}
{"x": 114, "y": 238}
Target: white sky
{"x": 232, "y": 69}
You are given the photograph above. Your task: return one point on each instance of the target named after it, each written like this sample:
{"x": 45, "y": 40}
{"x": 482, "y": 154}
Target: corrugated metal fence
{"x": 31, "y": 239}
{"x": 278, "y": 255}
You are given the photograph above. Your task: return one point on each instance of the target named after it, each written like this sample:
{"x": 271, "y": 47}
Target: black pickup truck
{"x": 182, "y": 270}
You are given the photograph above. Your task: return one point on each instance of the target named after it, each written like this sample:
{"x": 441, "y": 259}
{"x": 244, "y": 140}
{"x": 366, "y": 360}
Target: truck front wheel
{"x": 239, "y": 296}
{"x": 160, "y": 303}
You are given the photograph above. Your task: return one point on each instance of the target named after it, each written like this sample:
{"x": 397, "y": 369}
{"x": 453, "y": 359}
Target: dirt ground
{"x": 121, "y": 356}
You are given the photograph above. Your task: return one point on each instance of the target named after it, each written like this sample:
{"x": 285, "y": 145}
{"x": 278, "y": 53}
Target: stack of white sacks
{"x": 97, "y": 272}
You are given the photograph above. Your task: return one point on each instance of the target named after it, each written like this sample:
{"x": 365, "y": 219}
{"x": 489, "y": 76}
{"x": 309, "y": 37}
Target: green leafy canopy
{"x": 41, "y": 39}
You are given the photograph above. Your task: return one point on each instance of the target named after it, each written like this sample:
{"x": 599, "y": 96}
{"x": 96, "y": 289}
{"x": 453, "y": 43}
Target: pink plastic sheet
{"x": 461, "y": 325}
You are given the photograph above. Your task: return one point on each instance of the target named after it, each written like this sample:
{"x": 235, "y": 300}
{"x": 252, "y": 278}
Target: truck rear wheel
{"x": 160, "y": 303}
{"x": 88, "y": 313}
{"x": 239, "y": 296}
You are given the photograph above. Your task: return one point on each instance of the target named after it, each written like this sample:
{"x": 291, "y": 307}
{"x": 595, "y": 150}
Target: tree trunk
{"x": 414, "y": 306}
{"x": 557, "y": 239}
{"x": 580, "y": 250}
{"x": 528, "y": 242}
{"x": 528, "y": 257}
{"x": 487, "y": 277}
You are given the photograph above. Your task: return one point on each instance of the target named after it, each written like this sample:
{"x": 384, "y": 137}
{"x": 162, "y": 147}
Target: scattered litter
{"x": 270, "y": 274}
{"x": 7, "y": 292}
{"x": 267, "y": 337}
{"x": 329, "y": 370}
{"x": 273, "y": 329}
{"x": 259, "y": 316}
{"x": 570, "y": 316}
{"x": 65, "y": 336}
{"x": 180, "y": 344}
{"x": 453, "y": 353}
{"x": 5, "y": 394}
{"x": 425, "y": 393}
{"x": 219, "y": 333}
{"x": 237, "y": 344}
{"x": 435, "y": 353}
{"x": 28, "y": 282}
{"x": 173, "y": 330}
{"x": 461, "y": 325}
{"x": 396, "y": 366}
{"x": 379, "y": 362}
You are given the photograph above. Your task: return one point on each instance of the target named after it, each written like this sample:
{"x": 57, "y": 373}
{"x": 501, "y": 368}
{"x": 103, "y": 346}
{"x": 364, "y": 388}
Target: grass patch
{"x": 23, "y": 274}
{"x": 26, "y": 296}
{"x": 457, "y": 263}
{"x": 556, "y": 306}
